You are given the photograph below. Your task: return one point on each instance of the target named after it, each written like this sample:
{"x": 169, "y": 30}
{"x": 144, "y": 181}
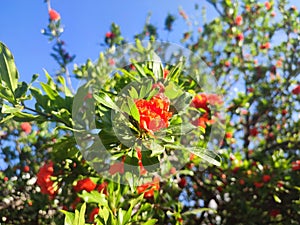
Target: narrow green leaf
{"x": 197, "y": 211}
{"x": 81, "y": 220}
{"x": 52, "y": 93}
{"x": 105, "y": 100}
{"x": 133, "y": 109}
{"x": 69, "y": 217}
{"x": 8, "y": 71}
{"x": 94, "y": 197}
{"x": 277, "y": 199}
{"x": 9, "y": 109}
{"x": 67, "y": 91}
{"x": 151, "y": 222}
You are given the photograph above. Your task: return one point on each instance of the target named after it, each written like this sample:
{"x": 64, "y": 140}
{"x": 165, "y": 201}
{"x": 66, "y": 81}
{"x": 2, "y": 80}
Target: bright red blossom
{"x": 103, "y": 188}
{"x": 54, "y": 15}
{"x": 26, "y": 127}
{"x": 154, "y": 114}
{"x": 239, "y": 37}
{"x": 266, "y": 45}
{"x": 85, "y": 184}
{"x": 268, "y": 5}
{"x": 266, "y": 178}
{"x": 149, "y": 188}
{"x": 296, "y": 165}
{"x": 239, "y": 20}
{"x": 44, "y": 179}
{"x": 200, "y": 101}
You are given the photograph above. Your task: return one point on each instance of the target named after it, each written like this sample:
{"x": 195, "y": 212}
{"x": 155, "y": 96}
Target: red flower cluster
{"x": 154, "y": 114}
{"x": 85, "y": 184}
{"x": 26, "y": 127}
{"x": 149, "y": 188}
{"x": 44, "y": 179}
{"x": 53, "y": 15}
{"x": 296, "y": 90}
{"x": 201, "y": 101}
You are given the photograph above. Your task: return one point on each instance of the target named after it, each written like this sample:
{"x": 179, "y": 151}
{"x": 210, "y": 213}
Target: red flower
{"x": 26, "y": 127}
{"x": 227, "y": 63}
{"x": 103, "y": 188}
{"x": 254, "y": 132}
{"x": 214, "y": 99}
{"x": 166, "y": 72}
{"x": 239, "y": 20}
{"x": 296, "y": 90}
{"x": 149, "y": 188}
{"x": 268, "y": 5}
{"x": 182, "y": 183}
{"x": 85, "y": 184}
{"x": 154, "y": 114}
{"x": 109, "y": 35}
{"x": 296, "y": 165}
{"x": 266, "y": 45}
{"x": 200, "y": 101}
{"x": 284, "y": 112}
{"x": 258, "y": 184}
{"x": 26, "y": 169}
{"x": 228, "y": 135}
{"x": 235, "y": 169}
{"x": 266, "y": 178}
{"x": 274, "y": 212}
{"x": 93, "y": 214}
{"x": 44, "y": 179}
{"x": 117, "y": 167}
{"x": 242, "y": 182}
{"x": 53, "y": 15}
{"x": 239, "y": 37}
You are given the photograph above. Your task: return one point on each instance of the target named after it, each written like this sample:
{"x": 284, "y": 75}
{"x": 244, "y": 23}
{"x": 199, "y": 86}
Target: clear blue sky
{"x": 85, "y": 22}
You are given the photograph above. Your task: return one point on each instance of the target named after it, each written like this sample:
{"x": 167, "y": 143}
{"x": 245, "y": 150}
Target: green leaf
{"x": 8, "y": 71}
{"x": 146, "y": 88}
{"x": 139, "y": 69}
{"x": 133, "y": 109}
{"x": 203, "y": 153}
{"x": 21, "y": 90}
{"x": 105, "y": 100}
{"x": 51, "y": 93}
{"x": 67, "y": 91}
{"x": 197, "y": 211}
{"x": 133, "y": 93}
{"x": 93, "y": 197}
{"x": 277, "y": 199}
{"x": 9, "y": 109}
{"x": 81, "y": 220}
{"x": 172, "y": 91}
{"x": 69, "y": 217}
{"x": 151, "y": 222}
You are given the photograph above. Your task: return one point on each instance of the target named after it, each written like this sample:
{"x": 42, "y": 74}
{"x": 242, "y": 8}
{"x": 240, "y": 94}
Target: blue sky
{"x": 85, "y": 22}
